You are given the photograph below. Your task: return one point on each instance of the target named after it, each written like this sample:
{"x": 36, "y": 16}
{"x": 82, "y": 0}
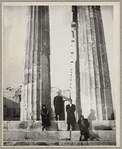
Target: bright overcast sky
{"x": 14, "y": 41}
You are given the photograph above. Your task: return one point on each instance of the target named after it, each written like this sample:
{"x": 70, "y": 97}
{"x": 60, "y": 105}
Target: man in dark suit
{"x": 70, "y": 109}
{"x": 83, "y": 125}
{"x": 58, "y": 104}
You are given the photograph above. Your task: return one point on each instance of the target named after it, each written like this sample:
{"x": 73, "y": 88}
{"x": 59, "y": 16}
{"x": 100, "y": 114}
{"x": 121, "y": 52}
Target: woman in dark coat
{"x": 70, "y": 109}
{"x": 45, "y": 117}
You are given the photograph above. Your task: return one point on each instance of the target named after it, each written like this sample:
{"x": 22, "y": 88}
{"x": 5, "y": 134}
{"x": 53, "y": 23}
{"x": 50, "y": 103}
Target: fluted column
{"x": 83, "y": 63}
{"x": 106, "y": 95}
{"x": 36, "y": 88}
{"x": 95, "y": 87}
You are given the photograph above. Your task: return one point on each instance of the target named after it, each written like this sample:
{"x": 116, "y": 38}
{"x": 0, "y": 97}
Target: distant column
{"x": 36, "y": 88}
{"x": 95, "y": 87}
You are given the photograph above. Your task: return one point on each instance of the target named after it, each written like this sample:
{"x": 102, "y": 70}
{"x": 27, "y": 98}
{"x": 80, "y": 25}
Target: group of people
{"x": 71, "y": 121}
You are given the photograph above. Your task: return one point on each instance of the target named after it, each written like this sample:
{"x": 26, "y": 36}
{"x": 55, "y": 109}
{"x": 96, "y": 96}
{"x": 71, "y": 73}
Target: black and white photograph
{"x": 60, "y": 80}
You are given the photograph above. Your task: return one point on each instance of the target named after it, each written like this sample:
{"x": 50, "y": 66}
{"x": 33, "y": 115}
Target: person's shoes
{"x": 80, "y": 139}
{"x": 42, "y": 128}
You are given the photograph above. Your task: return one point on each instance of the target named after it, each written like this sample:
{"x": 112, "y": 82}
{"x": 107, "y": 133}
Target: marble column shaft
{"x": 95, "y": 87}
{"x": 83, "y": 63}
{"x": 103, "y": 65}
{"x": 37, "y": 64}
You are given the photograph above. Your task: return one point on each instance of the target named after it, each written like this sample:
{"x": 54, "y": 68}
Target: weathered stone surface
{"x": 104, "y": 135}
{"x": 113, "y": 136}
{"x": 62, "y": 125}
{"x": 11, "y": 143}
{"x": 98, "y": 143}
{"x": 107, "y": 123}
{"x": 28, "y": 125}
{"x": 13, "y": 125}
{"x": 59, "y": 143}
{"x": 65, "y": 143}
{"x": 14, "y": 135}
{"x": 37, "y": 64}
{"x": 10, "y": 135}
{"x": 32, "y": 143}
{"x": 82, "y": 143}
{"x": 64, "y": 135}
{"x": 75, "y": 135}
{"x": 5, "y": 125}
{"x": 22, "y": 144}
{"x": 42, "y": 143}
{"x": 112, "y": 143}
{"x": 42, "y": 135}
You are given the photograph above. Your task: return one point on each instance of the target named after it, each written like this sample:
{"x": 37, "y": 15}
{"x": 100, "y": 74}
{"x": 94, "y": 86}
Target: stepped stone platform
{"x": 27, "y": 133}
{"x": 60, "y": 143}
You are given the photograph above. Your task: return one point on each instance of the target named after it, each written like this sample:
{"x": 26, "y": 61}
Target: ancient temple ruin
{"x": 93, "y": 87}
{"x": 89, "y": 76}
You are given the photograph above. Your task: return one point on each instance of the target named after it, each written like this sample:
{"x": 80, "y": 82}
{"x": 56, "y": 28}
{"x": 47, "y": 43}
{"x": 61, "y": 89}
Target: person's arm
{"x": 74, "y": 108}
{"x": 67, "y": 108}
{"x": 54, "y": 101}
{"x": 47, "y": 114}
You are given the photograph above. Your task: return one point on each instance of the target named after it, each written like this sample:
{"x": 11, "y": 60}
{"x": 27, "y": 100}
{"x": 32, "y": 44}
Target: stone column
{"x": 106, "y": 96}
{"x": 36, "y": 88}
{"x": 95, "y": 87}
{"x": 83, "y": 62}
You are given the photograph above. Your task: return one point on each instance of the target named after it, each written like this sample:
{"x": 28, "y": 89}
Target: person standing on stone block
{"x": 71, "y": 121}
{"x": 45, "y": 117}
{"x": 58, "y": 105}
{"x": 83, "y": 125}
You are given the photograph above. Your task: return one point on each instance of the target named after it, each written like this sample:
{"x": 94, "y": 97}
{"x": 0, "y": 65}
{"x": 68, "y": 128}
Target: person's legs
{"x": 56, "y": 117}
{"x": 68, "y": 127}
{"x": 73, "y": 126}
{"x": 81, "y": 133}
{"x": 60, "y": 116}
{"x": 86, "y": 135}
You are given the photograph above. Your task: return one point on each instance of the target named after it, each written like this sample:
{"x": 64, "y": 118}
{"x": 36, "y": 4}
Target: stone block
{"x": 42, "y": 135}
{"x": 93, "y": 135}
{"x": 32, "y": 143}
{"x": 83, "y": 143}
{"x": 107, "y": 123}
{"x": 112, "y": 123}
{"x": 10, "y": 135}
{"x": 62, "y": 125}
{"x": 22, "y": 135}
{"x": 34, "y": 135}
{"x": 75, "y": 135}
{"x": 112, "y": 143}
{"x": 104, "y": 135}
{"x": 28, "y": 125}
{"x": 52, "y": 135}
{"x": 64, "y": 135}
{"x": 14, "y": 135}
{"x": 9, "y": 143}
{"x": 65, "y": 143}
{"x": 53, "y": 143}
{"x": 24, "y": 143}
{"x": 13, "y": 125}
{"x": 75, "y": 143}
{"x": 113, "y": 136}
{"x": 42, "y": 144}
{"x": 98, "y": 143}
{"x": 5, "y": 125}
